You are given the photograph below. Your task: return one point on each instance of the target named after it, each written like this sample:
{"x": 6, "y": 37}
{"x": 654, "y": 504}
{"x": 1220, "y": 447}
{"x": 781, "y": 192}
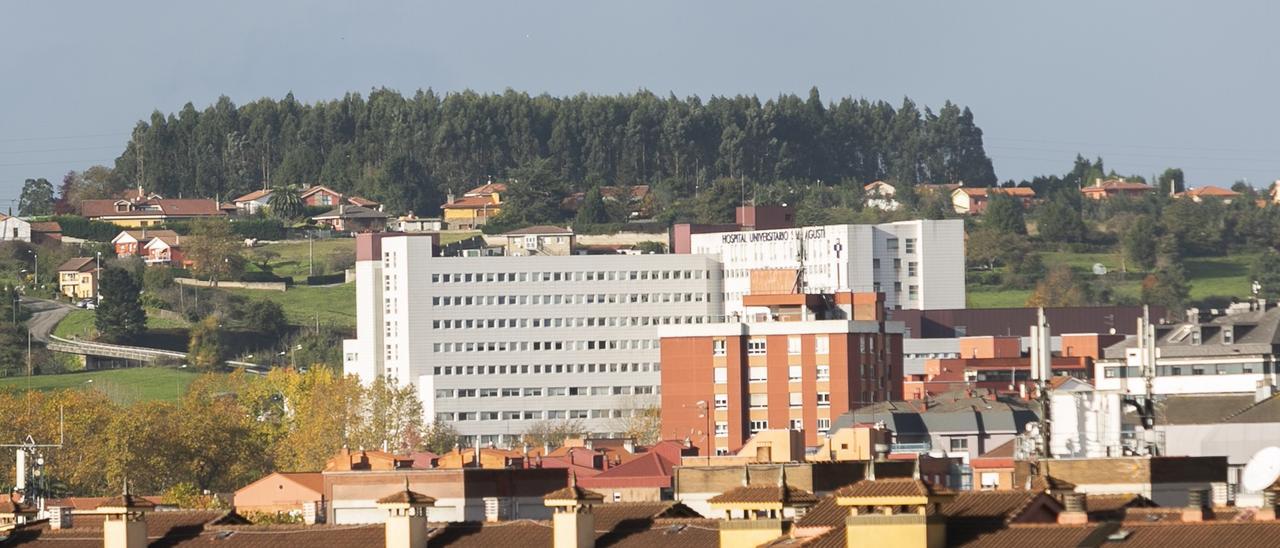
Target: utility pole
{"x": 311, "y": 254}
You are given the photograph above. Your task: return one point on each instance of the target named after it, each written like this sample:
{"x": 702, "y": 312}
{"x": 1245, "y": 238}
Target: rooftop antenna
{"x": 1041, "y": 369}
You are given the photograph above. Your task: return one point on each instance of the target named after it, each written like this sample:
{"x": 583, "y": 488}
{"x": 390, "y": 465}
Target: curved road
{"x": 45, "y": 315}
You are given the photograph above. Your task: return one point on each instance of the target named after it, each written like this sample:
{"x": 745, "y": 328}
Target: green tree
{"x": 1004, "y": 213}
{"x": 1265, "y": 271}
{"x": 1171, "y": 181}
{"x": 286, "y": 203}
{"x": 440, "y": 437}
{"x": 36, "y": 198}
{"x": 1140, "y": 243}
{"x": 1060, "y": 221}
{"x": 205, "y": 348}
{"x": 592, "y": 211}
{"x": 265, "y": 317}
{"x": 120, "y": 317}
{"x": 215, "y": 250}
{"x": 534, "y": 193}
{"x": 1060, "y": 287}
{"x": 1167, "y": 287}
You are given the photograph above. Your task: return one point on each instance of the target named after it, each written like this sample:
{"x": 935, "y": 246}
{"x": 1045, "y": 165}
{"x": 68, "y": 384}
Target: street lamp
{"x": 97, "y": 279}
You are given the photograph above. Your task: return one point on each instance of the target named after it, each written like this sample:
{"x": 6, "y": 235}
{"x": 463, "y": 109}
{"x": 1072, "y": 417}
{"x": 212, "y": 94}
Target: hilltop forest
{"x": 410, "y": 152}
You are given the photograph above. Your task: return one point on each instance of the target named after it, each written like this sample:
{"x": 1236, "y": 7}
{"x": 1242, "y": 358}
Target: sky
{"x": 1144, "y": 84}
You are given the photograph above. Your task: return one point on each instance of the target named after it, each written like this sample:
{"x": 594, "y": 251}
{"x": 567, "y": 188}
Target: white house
{"x": 14, "y": 229}
{"x": 880, "y": 195}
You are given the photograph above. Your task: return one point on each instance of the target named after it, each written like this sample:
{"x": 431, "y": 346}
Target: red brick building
{"x": 821, "y": 356}
{"x": 997, "y": 364}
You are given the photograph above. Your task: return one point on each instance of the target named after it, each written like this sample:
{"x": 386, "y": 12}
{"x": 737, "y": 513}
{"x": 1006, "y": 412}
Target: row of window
{"x": 1112, "y": 372}
{"x": 756, "y": 426}
{"x": 821, "y": 345}
{"x": 758, "y": 401}
{"x": 761, "y": 374}
{"x": 468, "y": 416}
{"x": 642, "y": 367}
{"x": 607, "y": 321}
{"x": 550, "y": 391}
{"x": 522, "y": 346}
{"x": 913, "y": 291}
{"x": 585, "y": 298}
{"x": 576, "y": 276}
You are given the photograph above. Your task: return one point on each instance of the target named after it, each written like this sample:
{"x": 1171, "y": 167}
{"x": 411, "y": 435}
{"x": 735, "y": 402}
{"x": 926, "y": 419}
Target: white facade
{"x": 496, "y": 344}
{"x": 1209, "y": 374}
{"x": 916, "y": 264}
{"x": 13, "y": 229}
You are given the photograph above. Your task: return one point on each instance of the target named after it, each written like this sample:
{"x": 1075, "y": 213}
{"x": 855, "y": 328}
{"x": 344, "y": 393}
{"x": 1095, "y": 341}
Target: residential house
{"x": 1210, "y": 192}
{"x": 252, "y": 202}
{"x": 139, "y": 209}
{"x": 997, "y": 364}
{"x": 636, "y": 199}
{"x": 286, "y": 492}
{"x": 320, "y": 195}
{"x": 880, "y": 195}
{"x": 78, "y": 278}
{"x": 1233, "y": 352}
{"x": 644, "y": 478}
{"x": 45, "y": 231}
{"x": 539, "y": 240}
{"x": 955, "y": 424}
{"x": 1112, "y": 188}
{"x": 14, "y": 229}
{"x": 475, "y": 207}
{"x": 132, "y": 242}
{"x": 313, "y": 196}
{"x": 165, "y": 249}
{"x": 994, "y": 470}
{"x": 412, "y": 223}
{"x": 353, "y": 218}
{"x": 973, "y": 200}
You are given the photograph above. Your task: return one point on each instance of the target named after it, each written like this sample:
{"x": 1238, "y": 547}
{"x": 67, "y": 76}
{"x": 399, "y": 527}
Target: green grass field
{"x": 1209, "y": 276}
{"x": 79, "y": 324}
{"x": 303, "y": 305}
{"x": 121, "y": 385}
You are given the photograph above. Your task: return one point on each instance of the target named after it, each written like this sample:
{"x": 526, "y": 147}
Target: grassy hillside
{"x": 121, "y": 385}
{"x": 1210, "y": 277}
{"x": 304, "y": 305}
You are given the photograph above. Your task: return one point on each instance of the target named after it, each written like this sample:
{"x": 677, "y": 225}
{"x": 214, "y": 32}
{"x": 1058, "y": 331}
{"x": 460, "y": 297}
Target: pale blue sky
{"x": 1145, "y": 84}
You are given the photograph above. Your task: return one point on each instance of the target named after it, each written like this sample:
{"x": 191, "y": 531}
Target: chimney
{"x": 476, "y": 462}
{"x": 573, "y": 524}
{"x": 124, "y": 520}
{"x": 1097, "y": 181}
{"x": 1075, "y": 511}
{"x": 1268, "y": 510}
{"x": 450, "y": 197}
{"x": 1199, "y": 505}
{"x": 406, "y": 525}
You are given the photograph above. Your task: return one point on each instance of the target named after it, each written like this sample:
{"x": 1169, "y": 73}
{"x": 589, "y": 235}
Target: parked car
{"x": 88, "y": 304}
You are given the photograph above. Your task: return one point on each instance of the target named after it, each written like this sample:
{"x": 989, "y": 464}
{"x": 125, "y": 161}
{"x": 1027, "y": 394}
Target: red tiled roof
{"x": 610, "y": 516}
{"x": 1016, "y": 191}
{"x": 892, "y": 487}
{"x": 46, "y": 226}
{"x": 749, "y": 494}
{"x": 1210, "y": 191}
{"x": 1116, "y": 185}
{"x": 254, "y": 195}
{"x": 647, "y": 468}
{"x": 487, "y": 189}
{"x": 362, "y": 202}
{"x": 78, "y": 264}
{"x": 471, "y": 202}
{"x": 180, "y": 207}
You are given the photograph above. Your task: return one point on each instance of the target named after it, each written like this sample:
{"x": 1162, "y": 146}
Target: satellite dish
{"x": 1262, "y": 470}
{"x": 1099, "y": 269}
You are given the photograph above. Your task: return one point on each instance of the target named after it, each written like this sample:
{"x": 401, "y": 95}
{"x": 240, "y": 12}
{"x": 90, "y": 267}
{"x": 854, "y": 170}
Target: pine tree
{"x": 120, "y": 317}
{"x": 1004, "y": 213}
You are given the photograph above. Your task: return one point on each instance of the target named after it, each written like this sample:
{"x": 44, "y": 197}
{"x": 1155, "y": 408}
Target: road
{"x": 45, "y": 315}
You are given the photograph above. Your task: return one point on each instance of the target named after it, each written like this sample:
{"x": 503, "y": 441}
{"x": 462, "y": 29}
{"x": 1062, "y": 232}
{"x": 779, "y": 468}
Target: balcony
{"x": 911, "y": 447}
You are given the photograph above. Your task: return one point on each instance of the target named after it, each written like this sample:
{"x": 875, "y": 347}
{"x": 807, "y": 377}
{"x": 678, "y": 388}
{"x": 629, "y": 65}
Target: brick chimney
{"x": 1075, "y": 511}
{"x": 406, "y": 525}
{"x": 1199, "y": 505}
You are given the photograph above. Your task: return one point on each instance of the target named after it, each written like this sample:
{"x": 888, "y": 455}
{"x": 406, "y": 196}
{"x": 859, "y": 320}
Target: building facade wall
{"x": 496, "y": 344}
{"x": 917, "y": 264}
{"x": 775, "y": 375}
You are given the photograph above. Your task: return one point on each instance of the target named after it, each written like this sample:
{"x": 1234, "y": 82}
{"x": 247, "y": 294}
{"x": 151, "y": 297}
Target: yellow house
{"x": 78, "y": 278}
{"x": 474, "y": 208}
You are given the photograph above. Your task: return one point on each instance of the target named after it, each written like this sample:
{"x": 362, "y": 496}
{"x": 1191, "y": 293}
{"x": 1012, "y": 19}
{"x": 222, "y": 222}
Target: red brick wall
{"x": 686, "y": 379}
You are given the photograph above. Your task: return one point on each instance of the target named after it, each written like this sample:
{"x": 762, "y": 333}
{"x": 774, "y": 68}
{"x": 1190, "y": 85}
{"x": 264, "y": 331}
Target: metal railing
{"x": 912, "y": 447}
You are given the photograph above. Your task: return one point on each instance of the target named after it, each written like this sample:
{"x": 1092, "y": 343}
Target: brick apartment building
{"x": 817, "y": 357}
